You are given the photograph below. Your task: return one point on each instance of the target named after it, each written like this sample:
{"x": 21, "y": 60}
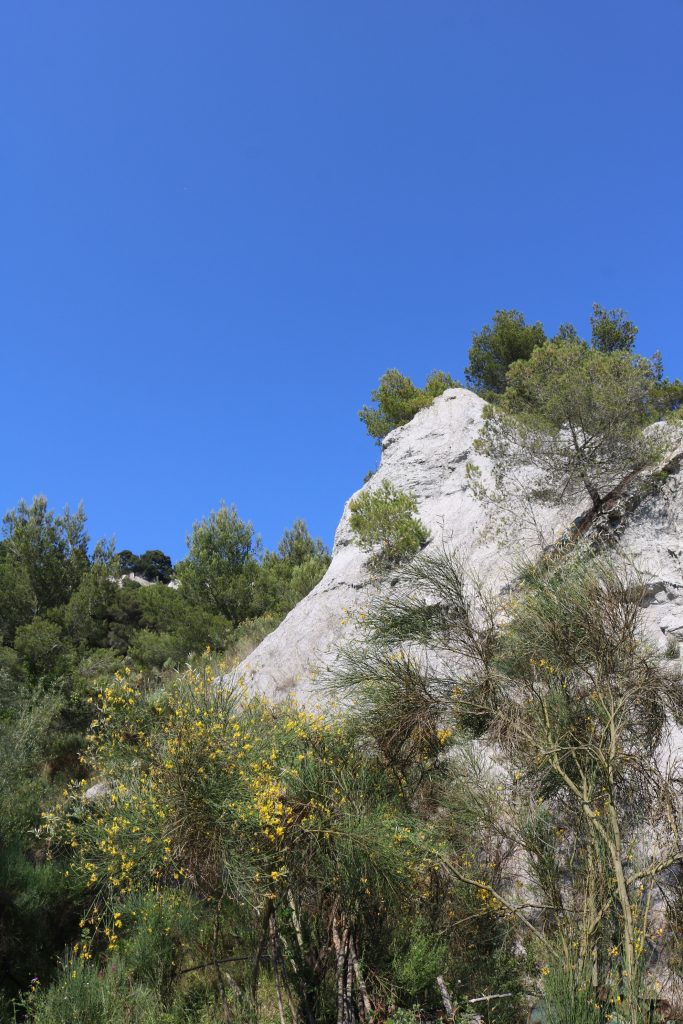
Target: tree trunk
{"x": 360, "y": 981}
{"x": 260, "y": 951}
{"x": 593, "y": 493}
{"x": 445, "y": 997}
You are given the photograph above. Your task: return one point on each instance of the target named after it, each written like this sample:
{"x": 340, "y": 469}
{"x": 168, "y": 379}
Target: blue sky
{"x": 221, "y": 222}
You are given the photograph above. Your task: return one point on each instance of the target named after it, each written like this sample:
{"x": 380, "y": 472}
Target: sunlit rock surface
{"x": 429, "y": 458}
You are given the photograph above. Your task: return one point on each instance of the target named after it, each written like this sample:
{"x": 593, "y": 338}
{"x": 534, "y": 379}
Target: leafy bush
{"x": 384, "y": 522}
{"x": 37, "y": 901}
{"x": 154, "y": 650}
{"x": 84, "y": 995}
{"x": 398, "y": 399}
{"x": 417, "y": 962}
{"x": 257, "y": 819}
{"x": 39, "y": 643}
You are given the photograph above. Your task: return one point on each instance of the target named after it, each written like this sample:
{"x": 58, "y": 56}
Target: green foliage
{"x": 384, "y": 521}
{"x": 87, "y": 616}
{"x": 575, "y": 417}
{"x": 37, "y": 901}
{"x": 82, "y": 995}
{"x": 494, "y": 350}
{"x": 155, "y": 927}
{"x": 225, "y": 582}
{"x": 154, "y": 565}
{"x": 154, "y": 650}
{"x": 242, "y": 819}
{"x": 566, "y": 332}
{"x": 72, "y": 624}
{"x": 297, "y": 546}
{"x": 554, "y": 676}
{"x": 128, "y": 562}
{"x": 51, "y": 549}
{"x": 570, "y": 999}
{"x": 611, "y": 331}
{"x": 17, "y": 600}
{"x": 286, "y": 576}
{"x": 166, "y": 611}
{"x": 39, "y": 644}
{"x": 221, "y": 565}
{"x": 43, "y": 557}
{"x": 398, "y": 399}
{"x": 418, "y": 961}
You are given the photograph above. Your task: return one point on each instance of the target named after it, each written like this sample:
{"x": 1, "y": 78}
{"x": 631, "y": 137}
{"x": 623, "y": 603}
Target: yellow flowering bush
{"x": 267, "y": 817}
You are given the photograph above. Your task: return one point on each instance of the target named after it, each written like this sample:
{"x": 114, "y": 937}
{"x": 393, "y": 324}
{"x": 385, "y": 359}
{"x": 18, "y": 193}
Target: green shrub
{"x": 84, "y": 994}
{"x": 39, "y": 644}
{"x": 398, "y": 399}
{"x": 569, "y": 999}
{"x": 417, "y": 963}
{"x": 404, "y": 1017}
{"x": 384, "y": 522}
{"x": 153, "y": 650}
{"x": 155, "y": 927}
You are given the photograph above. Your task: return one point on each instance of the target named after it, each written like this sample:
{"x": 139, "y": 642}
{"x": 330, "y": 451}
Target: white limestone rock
{"x": 428, "y": 457}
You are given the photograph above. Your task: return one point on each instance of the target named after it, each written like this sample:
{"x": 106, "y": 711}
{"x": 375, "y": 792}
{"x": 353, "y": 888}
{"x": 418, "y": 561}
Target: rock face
{"x": 428, "y": 457}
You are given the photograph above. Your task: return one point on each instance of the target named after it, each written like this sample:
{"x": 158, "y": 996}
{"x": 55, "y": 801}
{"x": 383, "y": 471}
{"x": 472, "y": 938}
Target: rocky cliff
{"x": 429, "y": 457}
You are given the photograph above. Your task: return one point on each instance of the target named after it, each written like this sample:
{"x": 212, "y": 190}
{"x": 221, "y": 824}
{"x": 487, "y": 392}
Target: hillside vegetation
{"x": 70, "y": 621}
{"x": 478, "y": 816}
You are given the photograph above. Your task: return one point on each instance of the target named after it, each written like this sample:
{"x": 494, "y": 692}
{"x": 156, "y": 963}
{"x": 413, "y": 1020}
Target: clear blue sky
{"x": 221, "y": 222}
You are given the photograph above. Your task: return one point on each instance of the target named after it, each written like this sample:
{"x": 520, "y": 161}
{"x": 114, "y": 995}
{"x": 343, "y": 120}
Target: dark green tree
{"x": 286, "y": 576}
{"x": 17, "y": 599}
{"x": 297, "y": 546}
{"x": 222, "y": 563}
{"x": 128, "y": 562}
{"x": 91, "y": 609}
{"x": 567, "y": 332}
{"x": 611, "y": 330}
{"x": 155, "y": 566}
{"x": 43, "y": 558}
{"x": 497, "y": 347}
